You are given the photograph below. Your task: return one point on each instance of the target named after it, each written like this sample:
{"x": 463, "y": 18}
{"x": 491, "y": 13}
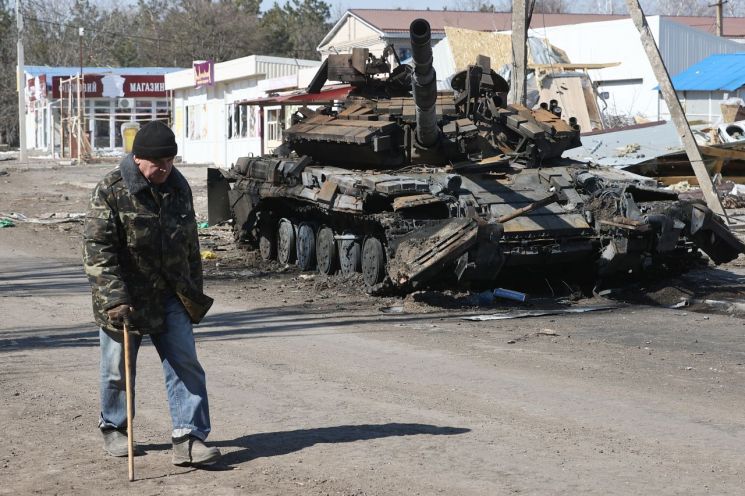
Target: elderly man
{"x": 141, "y": 255}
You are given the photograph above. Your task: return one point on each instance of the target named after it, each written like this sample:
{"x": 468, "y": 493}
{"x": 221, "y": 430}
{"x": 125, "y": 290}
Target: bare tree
{"x": 611, "y": 7}
{"x": 8, "y": 101}
{"x": 481, "y": 5}
{"x": 550, "y": 7}
{"x": 678, "y": 8}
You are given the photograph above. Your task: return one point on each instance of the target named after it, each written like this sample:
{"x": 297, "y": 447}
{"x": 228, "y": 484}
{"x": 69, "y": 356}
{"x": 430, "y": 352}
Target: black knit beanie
{"x": 155, "y": 140}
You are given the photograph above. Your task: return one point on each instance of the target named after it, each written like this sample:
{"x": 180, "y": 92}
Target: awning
{"x": 326, "y": 95}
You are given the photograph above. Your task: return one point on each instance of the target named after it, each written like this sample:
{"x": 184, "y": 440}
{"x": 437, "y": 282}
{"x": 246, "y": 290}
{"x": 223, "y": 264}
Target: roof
{"x": 38, "y": 70}
{"x": 390, "y": 21}
{"x": 732, "y": 27}
{"x": 718, "y": 72}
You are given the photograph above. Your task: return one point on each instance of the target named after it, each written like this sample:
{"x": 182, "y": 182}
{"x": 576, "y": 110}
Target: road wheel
{"x": 267, "y": 239}
{"x": 306, "y": 246}
{"x": 285, "y": 241}
{"x": 350, "y": 255}
{"x": 327, "y": 256}
{"x": 373, "y": 261}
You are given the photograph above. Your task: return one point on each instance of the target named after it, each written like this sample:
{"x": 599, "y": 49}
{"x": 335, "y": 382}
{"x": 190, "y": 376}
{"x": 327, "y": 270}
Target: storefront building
{"x": 211, "y": 119}
{"x": 111, "y": 97}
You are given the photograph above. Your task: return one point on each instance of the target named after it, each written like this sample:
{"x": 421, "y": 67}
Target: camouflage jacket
{"x": 140, "y": 245}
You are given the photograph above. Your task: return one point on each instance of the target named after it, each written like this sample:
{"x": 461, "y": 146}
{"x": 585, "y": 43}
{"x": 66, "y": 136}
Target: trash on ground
{"x": 509, "y": 294}
{"x": 203, "y": 225}
{"x": 6, "y": 223}
{"x": 208, "y": 255}
{"x": 393, "y": 309}
{"x": 539, "y": 313}
{"x": 547, "y": 332}
{"x": 51, "y": 218}
{"x": 681, "y": 304}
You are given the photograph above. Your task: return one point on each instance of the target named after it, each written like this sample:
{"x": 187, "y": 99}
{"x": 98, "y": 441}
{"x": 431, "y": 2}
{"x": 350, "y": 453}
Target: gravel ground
{"x": 317, "y": 388}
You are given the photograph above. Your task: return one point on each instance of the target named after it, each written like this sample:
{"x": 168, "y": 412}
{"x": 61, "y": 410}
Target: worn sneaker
{"x": 115, "y": 443}
{"x": 190, "y": 450}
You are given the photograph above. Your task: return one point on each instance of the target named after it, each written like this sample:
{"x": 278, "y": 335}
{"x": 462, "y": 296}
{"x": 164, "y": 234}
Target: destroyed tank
{"x": 411, "y": 187}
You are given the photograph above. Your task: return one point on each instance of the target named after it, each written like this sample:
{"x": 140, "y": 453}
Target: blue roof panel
{"x": 718, "y": 72}
{"x": 36, "y": 70}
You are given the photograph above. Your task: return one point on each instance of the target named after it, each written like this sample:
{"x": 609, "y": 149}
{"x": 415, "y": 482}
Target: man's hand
{"x": 119, "y": 314}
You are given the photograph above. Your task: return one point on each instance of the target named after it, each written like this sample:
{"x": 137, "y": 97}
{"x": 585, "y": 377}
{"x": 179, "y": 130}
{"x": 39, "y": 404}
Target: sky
{"x": 342, "y": 5}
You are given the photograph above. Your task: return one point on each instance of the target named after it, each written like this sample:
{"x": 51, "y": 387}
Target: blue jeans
{"x": 185, "y": 379}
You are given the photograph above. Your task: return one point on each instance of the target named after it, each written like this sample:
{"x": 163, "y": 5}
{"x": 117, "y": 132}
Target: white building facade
{"x": 211, "y": 123}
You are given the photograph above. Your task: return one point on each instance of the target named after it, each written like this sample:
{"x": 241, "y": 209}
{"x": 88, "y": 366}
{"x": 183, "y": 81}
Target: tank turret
{"x": 423, "y": 83}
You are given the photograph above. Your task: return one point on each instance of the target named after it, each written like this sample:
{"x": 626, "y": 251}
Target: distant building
{"x": 630, "y": 88}
{"x": 234, "y": 115}
{"x": 112, "y": 96}
{"x": 375, "y": 28}
{"x": 704, "y": 86}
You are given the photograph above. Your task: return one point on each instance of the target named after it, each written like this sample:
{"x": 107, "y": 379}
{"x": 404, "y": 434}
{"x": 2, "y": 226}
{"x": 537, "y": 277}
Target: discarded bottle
{"x": 510, "y": 294}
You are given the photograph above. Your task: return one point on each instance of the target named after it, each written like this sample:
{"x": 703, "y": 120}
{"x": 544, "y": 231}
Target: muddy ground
{"x": 317, "y": 388}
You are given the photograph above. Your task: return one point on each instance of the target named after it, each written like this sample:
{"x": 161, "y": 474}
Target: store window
{"x": 162, "y": 112}
{"x": 274, "y": 124}
{"x": 196, "y": 122}
{"x": 243, "y": 121}
{"x": 123, "y": 114}
{"x": 143, "y": 110}
{"x": 101, "y": 123}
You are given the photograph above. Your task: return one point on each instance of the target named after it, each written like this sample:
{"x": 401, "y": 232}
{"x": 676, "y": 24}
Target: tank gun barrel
{"x": 424, "y": 83}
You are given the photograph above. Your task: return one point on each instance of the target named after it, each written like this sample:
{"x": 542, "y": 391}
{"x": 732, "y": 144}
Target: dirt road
{"x": 314, "y": 390}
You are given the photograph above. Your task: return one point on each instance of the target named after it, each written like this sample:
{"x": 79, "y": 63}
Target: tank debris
{"x": 540, "y": 313}
{"x": 411, "y": 187}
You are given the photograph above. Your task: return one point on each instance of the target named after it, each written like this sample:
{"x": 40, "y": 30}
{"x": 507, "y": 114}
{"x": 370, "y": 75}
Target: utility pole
{"x": 676, "y": 110}
{"x": 720, "y": 7}
{"x": 23, "y": 153}
{"x": 81, "y": 93}
{"x": 518, "y": 81}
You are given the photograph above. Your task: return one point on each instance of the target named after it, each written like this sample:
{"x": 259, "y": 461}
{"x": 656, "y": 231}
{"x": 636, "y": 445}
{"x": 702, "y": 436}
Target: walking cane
{"x": 128, "y": 388}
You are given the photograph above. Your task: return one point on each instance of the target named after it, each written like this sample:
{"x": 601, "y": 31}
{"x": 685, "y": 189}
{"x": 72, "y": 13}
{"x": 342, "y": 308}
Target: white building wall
{"x": 353, "y": 33}
{"x": 203, "y": 117}
{"x": 201, "y": 123}
{"x": 629, "y": 85}
{"x": 706, "y": 105}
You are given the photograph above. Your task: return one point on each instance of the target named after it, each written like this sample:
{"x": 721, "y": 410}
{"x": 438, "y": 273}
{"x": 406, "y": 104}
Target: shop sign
{"x": 113, "y": 86}
{"x": 204, "y": 73}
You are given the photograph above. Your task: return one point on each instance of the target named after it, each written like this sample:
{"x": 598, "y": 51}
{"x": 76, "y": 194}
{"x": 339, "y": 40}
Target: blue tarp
{"x": 724, "y": 72}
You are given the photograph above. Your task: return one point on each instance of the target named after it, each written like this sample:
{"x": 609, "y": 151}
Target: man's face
{"x": 155, "y": 170}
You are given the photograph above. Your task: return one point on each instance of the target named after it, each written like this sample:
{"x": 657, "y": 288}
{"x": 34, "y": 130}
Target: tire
{"x": 285, "y": 241}
{"x": 373, "y": 261}
{"x": 350, "y": 256}
{"x": 267, "y": 239}
{"x": 327, "y": 254}
{"x": 306, "y": 247}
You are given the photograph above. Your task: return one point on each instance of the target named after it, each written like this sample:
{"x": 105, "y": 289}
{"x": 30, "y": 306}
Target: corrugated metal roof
{"x": 718, "y": 72}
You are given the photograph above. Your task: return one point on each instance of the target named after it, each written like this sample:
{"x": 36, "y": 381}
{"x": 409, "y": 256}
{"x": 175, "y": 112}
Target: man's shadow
{"x": 267, "y": 444}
